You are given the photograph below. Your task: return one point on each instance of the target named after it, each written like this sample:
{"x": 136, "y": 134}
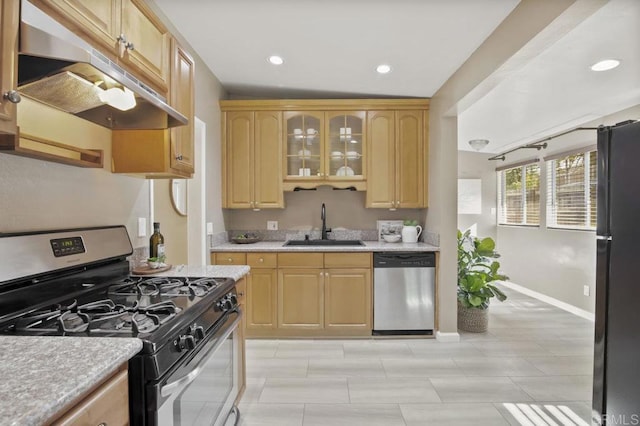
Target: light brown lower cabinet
{"x": 107, "y": 405}
{"x": 312, "y": 294}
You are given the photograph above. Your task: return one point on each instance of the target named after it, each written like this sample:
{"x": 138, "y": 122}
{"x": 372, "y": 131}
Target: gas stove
{"x": 77, "y": 283}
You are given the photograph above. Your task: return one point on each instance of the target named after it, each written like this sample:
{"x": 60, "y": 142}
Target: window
{"x": 519, "y": 195}
{"x": 571, "y": 191}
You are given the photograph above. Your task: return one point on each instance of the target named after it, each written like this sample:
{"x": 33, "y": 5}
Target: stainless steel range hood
{"x": 59, "y": 69}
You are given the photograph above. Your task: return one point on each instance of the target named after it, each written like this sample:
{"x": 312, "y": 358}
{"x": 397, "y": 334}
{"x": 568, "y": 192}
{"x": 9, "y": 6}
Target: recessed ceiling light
{"x": 383, "y": 68}
{"x": 276, "y": 60}
{"x": 605, "y": 65}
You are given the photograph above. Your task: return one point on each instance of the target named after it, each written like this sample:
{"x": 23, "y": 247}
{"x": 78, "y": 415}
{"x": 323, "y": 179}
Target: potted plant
{"x": 476, "y": 272}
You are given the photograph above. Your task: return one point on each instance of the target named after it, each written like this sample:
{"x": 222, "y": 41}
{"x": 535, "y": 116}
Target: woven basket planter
{"x": 472, "y": 319}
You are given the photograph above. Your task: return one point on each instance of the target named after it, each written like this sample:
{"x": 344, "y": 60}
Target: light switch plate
{"x": 272, "y": 225}
{"x": 209, "y": 228}
{"x": 142, "y": 227}
{"x": 585, "y": 290}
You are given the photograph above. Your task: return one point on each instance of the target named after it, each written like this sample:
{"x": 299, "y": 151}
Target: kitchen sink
{"x": 324, "y": 243}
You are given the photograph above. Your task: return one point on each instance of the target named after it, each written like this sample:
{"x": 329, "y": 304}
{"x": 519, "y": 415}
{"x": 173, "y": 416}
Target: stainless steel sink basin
{"x": 324, "y": 243}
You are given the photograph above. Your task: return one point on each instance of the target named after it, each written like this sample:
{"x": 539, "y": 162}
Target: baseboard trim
{"x": 447, "y": 337}
{"x": 550, "y": 300}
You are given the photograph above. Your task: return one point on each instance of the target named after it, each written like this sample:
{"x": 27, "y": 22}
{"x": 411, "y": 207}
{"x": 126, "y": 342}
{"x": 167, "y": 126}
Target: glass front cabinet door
{"x": 304, "y": 145}
{"x": 345, "y": 145}
{"x": 324, "y": 146}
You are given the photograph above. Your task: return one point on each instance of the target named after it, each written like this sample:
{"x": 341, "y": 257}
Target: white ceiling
{"x": 331, "y": 49}
{"x": 557, "y": 90}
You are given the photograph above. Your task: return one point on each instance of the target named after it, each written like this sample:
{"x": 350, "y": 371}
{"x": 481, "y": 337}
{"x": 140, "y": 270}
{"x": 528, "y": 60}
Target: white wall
{"x": 475, "y": 165}
{"x": 555, "y": 262}
{"x": 39, "y": 195}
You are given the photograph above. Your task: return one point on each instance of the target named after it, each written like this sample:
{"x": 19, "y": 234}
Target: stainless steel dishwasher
{"x": 403, "y": 292}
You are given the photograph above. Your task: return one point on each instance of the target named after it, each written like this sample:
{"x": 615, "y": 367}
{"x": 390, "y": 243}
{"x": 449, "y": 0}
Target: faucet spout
{"x": 323, "y": 216}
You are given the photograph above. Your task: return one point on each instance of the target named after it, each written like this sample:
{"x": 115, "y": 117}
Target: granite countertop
{"x": 212, "y": 271}
{"x": 369, "y": 246}
{"x": 42, "y": 377}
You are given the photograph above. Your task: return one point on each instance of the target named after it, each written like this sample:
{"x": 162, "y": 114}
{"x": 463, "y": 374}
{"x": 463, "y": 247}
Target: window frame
{"x": 501, "y": 214}
{"x": 590, "y": 209}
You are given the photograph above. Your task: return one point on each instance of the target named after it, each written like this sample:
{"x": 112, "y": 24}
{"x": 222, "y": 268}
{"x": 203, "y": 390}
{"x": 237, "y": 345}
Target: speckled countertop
{"x": 42, "y": 377}
{"x": 369, "y": 246}
{"x": 212, "y": 271}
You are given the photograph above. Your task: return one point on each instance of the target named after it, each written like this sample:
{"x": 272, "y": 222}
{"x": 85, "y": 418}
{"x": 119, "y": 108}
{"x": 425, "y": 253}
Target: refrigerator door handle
{"x": 604, "y": 237}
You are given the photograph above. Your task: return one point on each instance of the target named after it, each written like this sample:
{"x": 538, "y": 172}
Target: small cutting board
{"x": 146, "y": 270}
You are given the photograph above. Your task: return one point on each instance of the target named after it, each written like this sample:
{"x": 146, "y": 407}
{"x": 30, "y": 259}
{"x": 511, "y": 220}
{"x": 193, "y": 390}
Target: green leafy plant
{"x": 410, "y": 222}
{"x": 477, "y": 270}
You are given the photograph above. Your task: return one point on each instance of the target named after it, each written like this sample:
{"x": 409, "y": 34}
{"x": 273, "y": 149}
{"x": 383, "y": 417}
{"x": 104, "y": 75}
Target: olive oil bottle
{"x": 156, "y": 243}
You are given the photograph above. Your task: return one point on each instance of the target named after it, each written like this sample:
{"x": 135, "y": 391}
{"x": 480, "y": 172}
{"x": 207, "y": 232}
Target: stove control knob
{"x": 185, "y": 342}
{"x": 227, "y": 305}
{"x": 233, "y": 299}
{"x": 197, "y": 331}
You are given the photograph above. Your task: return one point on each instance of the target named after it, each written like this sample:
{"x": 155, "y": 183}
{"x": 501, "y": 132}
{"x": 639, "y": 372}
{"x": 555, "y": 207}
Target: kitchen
{"x": 97, "y": 197}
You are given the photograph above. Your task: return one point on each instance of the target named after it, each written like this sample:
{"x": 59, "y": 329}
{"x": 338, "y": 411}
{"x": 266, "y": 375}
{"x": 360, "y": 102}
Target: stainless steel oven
{"x": 202, "y": 390}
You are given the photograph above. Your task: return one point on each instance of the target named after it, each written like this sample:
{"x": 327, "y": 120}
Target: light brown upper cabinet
{"x": 126, "y": 30}
{"x": 324, "y": 148}
{"x": 377, "y": 145}
{"x": 160, "y": 154}
{"x": 9, "y": 11}
{"x": 252, "y": 158}
{"x": 182, "y": 98}
{"x": 397, "y": 147}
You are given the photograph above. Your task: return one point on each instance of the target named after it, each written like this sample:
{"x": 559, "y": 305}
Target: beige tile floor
{"x": 533, "y": 367}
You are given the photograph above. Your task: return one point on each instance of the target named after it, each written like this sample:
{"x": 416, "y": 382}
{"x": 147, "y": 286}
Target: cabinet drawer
{"x": 300, "y": 260}
{"x": 108, "y": 405}
{"x": 230, "y": 259}
{"x": 347, "y": 260}
{"x": 262, "y": 260}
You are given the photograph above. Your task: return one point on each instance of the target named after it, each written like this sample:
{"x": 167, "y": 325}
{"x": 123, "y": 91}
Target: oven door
{"x": 203, "y": 389}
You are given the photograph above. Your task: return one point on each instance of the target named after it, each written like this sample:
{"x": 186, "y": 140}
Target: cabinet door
{"x": 8, "y": 63}
{"x": 98, "y": 20}
{"x": 229, "y": 258}
{"x": 381, "y": 159}
{"x": 149, "y": 52}
{"x": 410, "y": 191}
{"x": 348, "y": 299}
{"x": 301, "y": 299}
{"x": 267, "y": 149}
{"x": 238, "y": 160}
{"x": 304, "y": 145}
{"x": 345, "y": 140}
{"x": 182, "y": 99}
{"x": 262, "y": 287}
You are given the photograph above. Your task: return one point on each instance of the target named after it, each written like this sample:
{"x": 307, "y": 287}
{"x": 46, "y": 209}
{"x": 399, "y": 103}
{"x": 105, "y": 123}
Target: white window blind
{"x": 519, "y": 195}
{"x": 571, "y": 191}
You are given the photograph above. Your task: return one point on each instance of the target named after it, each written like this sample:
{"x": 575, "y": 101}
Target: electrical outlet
{"x": 272, "y": 225}
{"x": 585, "y": 290}
{"x": 209, "y": 228}
{"x": 142, "y": 227}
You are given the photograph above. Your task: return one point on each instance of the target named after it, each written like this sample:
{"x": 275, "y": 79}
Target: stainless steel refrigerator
{"x": 616, "y": 378}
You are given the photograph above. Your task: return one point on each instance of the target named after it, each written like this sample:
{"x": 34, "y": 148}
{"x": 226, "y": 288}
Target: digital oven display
{"x": 67, "y": 246}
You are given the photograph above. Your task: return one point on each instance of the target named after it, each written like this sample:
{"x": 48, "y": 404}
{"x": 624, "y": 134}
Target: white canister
{"x": 410, "y": 234}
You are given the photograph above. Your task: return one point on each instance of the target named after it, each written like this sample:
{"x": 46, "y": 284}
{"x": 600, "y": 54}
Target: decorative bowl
{"x": 247, "y": 238}
{"x": 391, "y": 238}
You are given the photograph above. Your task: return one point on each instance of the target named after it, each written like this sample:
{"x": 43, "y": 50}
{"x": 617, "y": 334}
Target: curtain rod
{"x": 538, "y": 145}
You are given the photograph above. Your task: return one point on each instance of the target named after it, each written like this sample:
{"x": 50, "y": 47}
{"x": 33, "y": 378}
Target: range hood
{"x": 57, "y": 68}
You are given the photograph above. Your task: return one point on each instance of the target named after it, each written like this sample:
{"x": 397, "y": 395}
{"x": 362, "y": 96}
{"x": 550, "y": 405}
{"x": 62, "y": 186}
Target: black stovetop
{"x": 151, "y": 308}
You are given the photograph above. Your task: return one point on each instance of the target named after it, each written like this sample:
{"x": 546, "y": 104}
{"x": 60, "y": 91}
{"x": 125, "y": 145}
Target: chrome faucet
{"x": 323, "y": 216}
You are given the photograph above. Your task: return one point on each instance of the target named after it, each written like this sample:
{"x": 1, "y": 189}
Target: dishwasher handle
{"x": 404, "y": 260}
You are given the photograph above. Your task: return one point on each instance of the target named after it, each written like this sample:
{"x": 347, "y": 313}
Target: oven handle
{"x": 169, "y": 388}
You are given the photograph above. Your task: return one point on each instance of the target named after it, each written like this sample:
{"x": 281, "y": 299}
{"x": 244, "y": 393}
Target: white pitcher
{"x": 410, "y": 234}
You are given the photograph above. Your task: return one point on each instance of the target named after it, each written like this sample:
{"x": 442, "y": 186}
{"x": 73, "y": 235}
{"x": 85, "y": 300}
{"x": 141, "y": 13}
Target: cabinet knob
{"x": 12, "y": 96}
{"x": 179, "y": 157}
{"x": 230, "y": 260}
{"x": 261, "y": 260}
{"x": 241, "y": 293}
{"x": 129, "y": 46}
{"x": 122, "y": 39}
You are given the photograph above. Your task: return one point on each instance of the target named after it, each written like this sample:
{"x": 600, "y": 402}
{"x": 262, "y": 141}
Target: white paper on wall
{"x": 469, "y": 196}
